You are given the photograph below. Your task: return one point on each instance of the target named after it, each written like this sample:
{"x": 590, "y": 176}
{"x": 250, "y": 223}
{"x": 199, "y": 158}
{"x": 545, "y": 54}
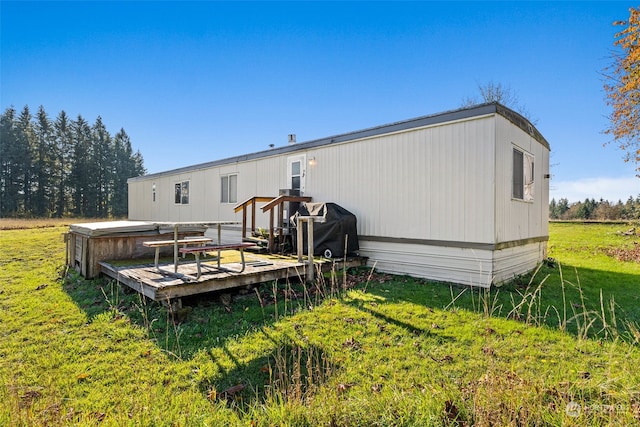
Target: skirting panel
{"x": 446, "y": 264}
{"x": 511, "y": 262}
{"x": 472, "y": 267}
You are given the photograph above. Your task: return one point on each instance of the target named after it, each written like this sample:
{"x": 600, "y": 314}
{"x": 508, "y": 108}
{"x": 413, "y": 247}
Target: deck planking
{"x": 164, "y": 285}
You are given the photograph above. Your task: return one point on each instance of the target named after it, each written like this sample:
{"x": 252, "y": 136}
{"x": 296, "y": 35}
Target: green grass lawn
{"x": 560, "y": 347}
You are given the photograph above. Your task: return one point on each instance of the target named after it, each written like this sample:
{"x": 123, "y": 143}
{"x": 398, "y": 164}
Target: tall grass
{"x": 354, "y": 348}
{"x": 528, "y": 305}
{"x": 26, "y": 224}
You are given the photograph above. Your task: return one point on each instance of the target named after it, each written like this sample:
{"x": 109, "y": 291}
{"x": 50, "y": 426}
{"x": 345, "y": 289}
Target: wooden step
{"x": 256, "y": 241}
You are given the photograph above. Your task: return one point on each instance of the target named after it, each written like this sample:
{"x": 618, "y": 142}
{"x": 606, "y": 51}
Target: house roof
{"x": 418, "y": 122}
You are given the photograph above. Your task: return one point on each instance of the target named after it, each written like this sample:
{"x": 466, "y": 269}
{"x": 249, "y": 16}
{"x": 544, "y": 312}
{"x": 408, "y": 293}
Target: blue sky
{"x": 192, "y": 82}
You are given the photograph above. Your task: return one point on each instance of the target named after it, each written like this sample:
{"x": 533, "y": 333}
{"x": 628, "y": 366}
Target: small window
{"x": 523, "y": 176}
{"x": 528, "y": 177}
{"x": 295, "y": 175}
{"x": 182, "y": 193}
{"x": 229, "y": 188}
{"x": 518, "y": 175}
{"x": 185, "y": 193}
{"x": 178, "y": 193}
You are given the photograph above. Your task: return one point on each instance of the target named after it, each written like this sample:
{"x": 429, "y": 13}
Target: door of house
{"x": 296, "y": 172}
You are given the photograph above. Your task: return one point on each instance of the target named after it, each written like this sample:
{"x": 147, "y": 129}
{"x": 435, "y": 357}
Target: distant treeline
{"x": 595, "y": 210}
{"x": 63, "y": 167}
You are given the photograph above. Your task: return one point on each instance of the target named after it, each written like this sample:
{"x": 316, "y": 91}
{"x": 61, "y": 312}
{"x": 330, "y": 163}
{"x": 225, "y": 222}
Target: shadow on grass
{"x": 556, "y": 297}
{"x": 289, "y": 372}
{"x": 584, "y": 302}
{"x": 91, "y": 296}
{"x": 210, "y": 324}
{"x": 205, "y": 321}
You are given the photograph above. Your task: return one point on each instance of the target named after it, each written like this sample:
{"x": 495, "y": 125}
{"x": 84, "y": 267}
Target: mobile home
{"x": 460, "y": 196}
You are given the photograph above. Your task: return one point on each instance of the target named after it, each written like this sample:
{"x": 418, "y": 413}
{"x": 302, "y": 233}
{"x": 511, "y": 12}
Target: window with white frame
{"x": 229, "y": 188}
{"x": 296, "y": 175}
{"x": 523, "y": 176}
{"x": 182, "y": 193}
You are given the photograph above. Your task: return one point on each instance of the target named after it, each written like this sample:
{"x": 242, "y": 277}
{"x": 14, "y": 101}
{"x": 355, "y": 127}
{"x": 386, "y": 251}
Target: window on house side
{"x": 528, "y": 177}
{"x": 233, "y": 188}
{"x": 178, "y": 193}
{"x": 229, "y": 188}
{"x": 523, "y": 176}
{"x": 185, "y": 193}
{"x": 295, "y": 176}
{"x": 182, "y": 193}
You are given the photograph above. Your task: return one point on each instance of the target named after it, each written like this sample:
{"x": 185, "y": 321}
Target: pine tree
{"x": 553, "y": 209}
{"x": 127, "y": 165}
{"x": 63, "y": 154}
{"x": 42, "y": 164}
{"x": 563, "y": 207}
{"x": 8, "y": 163}
{"x": 25, "y": 142}
{"x": 102, "y": 165}
{"x": 62, "y": 167}
{"x": 80, "y": 177}
{"x": 122, "y": 159}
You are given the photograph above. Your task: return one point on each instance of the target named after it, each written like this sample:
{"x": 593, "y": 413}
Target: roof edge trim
{"x": 418, "y": 122}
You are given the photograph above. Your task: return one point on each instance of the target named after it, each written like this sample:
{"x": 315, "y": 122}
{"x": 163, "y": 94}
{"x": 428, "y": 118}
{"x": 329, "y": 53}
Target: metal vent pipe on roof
{"x": 292, "y": 138}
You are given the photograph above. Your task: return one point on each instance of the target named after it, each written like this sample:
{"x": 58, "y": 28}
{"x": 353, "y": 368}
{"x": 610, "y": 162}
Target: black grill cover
{"x": 329, "y": 236}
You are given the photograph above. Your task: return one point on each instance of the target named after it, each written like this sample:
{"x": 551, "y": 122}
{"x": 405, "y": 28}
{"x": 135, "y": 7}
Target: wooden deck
{"x": 164, "y": 285}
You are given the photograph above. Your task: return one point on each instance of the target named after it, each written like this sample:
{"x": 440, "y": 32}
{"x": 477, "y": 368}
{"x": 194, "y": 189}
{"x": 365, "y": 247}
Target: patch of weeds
{"x": 356, "y": 348}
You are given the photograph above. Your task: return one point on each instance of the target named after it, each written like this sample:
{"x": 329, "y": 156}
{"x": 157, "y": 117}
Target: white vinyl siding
{"x": 429, "y": 201}
{"x": 430, "y": 183}
{"x": 515, "y": 220}
{"x": 447, "y": 264}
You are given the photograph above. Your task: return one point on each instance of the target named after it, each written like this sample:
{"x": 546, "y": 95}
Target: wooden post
{"x": 280, "y": 225}
{"x": 300, "y": 223}
{"x": 271, "y": 231}
{"x": 310, "y": 266}
{"x": 175, "y": 248}
{"x": 300, "y": 239}
{"x": 244, "y": 222}
{"x": 253, "y": 216}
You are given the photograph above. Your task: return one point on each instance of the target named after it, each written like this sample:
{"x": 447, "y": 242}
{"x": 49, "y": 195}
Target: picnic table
{"x": 176, "y": 226}
{"x": 157, "y": 244}
{"x": 203, "y": 249}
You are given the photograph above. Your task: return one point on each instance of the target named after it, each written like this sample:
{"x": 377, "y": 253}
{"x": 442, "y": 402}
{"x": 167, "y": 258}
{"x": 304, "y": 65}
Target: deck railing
{"x": 273, "y": 203}
{"x": 243, "y": 207}
{"x": 278, "y": 203}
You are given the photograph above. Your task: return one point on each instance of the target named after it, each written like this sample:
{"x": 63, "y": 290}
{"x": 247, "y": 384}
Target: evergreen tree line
{"x": 591, "y": 209}
{"x": 63, "y": 167}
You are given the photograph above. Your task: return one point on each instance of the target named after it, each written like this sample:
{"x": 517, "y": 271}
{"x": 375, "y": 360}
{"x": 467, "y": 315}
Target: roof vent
{"x": 292, "y": 138}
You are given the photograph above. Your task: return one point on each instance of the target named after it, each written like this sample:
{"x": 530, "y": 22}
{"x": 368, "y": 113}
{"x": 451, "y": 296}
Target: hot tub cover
{"x": 104, "y": 228}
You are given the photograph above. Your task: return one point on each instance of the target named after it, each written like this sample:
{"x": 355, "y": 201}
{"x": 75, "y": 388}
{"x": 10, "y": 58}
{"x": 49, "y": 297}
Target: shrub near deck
{"x": 387, "y": 350}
